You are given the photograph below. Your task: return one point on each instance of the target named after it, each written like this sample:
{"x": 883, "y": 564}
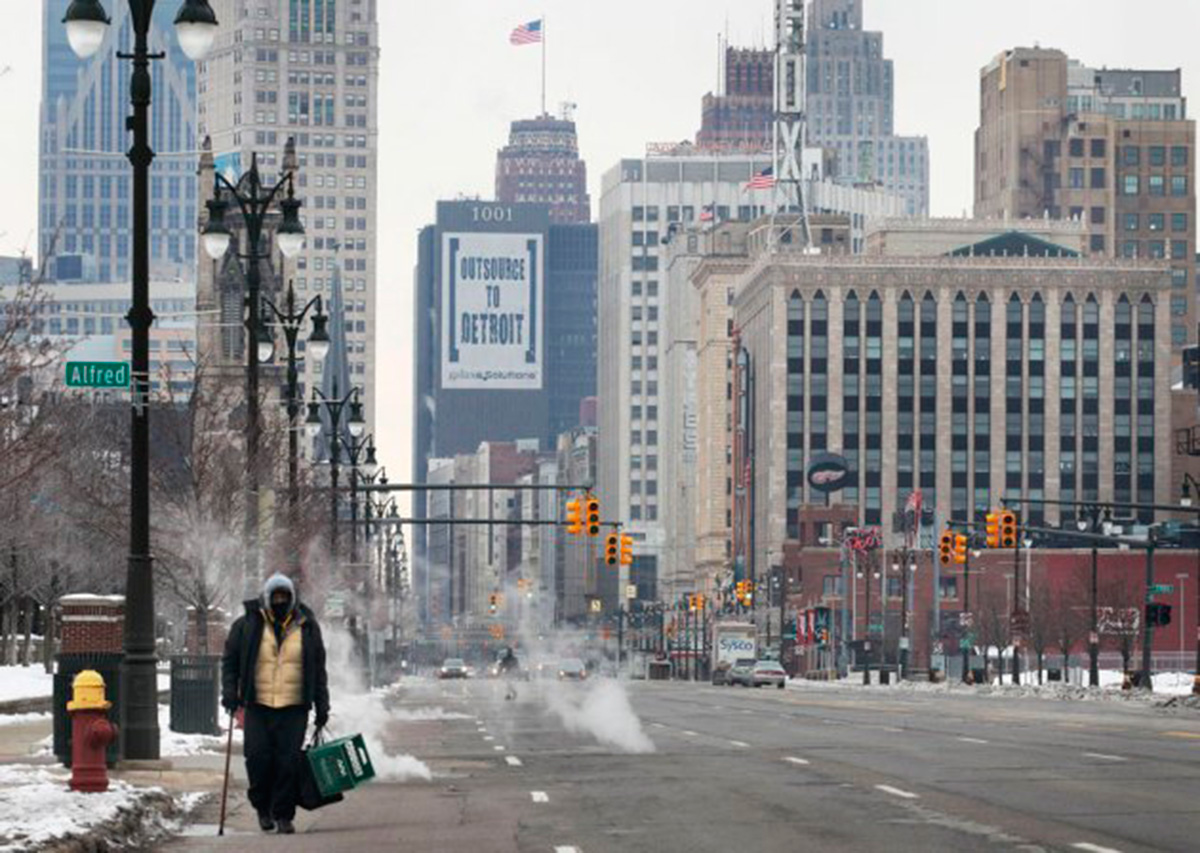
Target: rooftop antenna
{"x": 791, "y": 112}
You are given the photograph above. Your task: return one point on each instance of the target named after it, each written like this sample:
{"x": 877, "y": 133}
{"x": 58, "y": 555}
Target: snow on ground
{"x": 414, "y": 715}
{"x": 24, "y": 719}
{"x": 25, "y": 682}
{"x": 176, "y": 745}
{"x": 37, "y": 806}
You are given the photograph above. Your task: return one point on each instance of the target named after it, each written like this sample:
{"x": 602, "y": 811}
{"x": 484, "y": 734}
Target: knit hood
{"x": 275, "y": 583}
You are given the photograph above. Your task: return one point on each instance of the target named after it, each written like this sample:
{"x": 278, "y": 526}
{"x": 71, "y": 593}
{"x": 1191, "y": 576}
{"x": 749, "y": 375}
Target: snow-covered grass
{"x": 25, "y": 682}
{"x": 37, "y": 805}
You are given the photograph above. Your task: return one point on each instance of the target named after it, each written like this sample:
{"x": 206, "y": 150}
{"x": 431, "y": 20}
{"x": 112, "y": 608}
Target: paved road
{"x": 822, "y": 769}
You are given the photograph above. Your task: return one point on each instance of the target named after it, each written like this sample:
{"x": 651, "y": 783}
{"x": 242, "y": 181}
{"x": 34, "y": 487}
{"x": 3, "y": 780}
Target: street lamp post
{"x": 1189, "y": 482}
{"x": 335, "y": 406}
{"x": 255, "y": 200}
{"x": 195, "y": 25}
{"x": 361, "y": 455}
{"x": 291, "y": 322}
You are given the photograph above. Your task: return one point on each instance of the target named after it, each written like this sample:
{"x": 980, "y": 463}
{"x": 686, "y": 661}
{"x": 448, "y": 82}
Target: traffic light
{"x": 960, "y": 550}
{"x": 626, "y": 550}
{"x": 593, "y": 516}
{"x": 493, "y": 603}
{"x": 946, "y": 548}
{"x": 993, "y": 530}
{"x": 701, "y": 601}
{"x": 574, "y": 517}
{"x": 612, "y": 549}
{"x": 749, "y": 592}
{"x": 1158, "y": 615}
{"x": 1008, "y": 529}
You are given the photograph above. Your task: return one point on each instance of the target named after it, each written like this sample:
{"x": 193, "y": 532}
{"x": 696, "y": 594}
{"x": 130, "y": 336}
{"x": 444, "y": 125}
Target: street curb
{"x": 154, "y": 816}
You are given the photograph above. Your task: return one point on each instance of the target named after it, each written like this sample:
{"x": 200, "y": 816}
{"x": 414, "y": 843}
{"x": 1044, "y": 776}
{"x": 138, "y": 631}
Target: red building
{"x": 541, "y": 164}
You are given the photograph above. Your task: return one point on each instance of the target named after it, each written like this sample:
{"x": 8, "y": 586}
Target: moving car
{"x": 572, "y": 669}
{"x": 768, "y": 672}
{"x": 453, "y": 668}
{"x": 742, "y": 672}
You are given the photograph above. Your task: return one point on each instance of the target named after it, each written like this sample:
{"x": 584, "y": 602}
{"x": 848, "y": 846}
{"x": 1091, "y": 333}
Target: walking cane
{"x": 225, "y": 786}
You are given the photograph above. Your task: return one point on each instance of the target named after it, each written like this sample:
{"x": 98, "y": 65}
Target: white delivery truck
{"x": 731, "y": 642}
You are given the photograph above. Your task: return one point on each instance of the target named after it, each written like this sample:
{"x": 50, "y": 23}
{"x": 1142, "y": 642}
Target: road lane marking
{"x": 512, "y": 761}
{"x": 498, "y": 748}
{"x": 1103, "y": 757}
{"x": 971, "y": 740}
{"x": 794, "y": 760}
{"x": 740, "y": 743}
{"x": 488, "y": 737}
{"x": 1182, "y": 734}
{"x": 896, "y": 792}
{"x": 1094, "y": 848}
{"x": 659, "y": 725}
{"x": 539, "y": 796}
{"x": 567, "y": 850}
{"x": 689, "y": 733}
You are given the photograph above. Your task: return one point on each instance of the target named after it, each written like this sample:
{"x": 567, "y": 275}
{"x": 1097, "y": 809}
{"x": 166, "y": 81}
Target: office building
{"x": 742, "y": 116}
{"x": 541, "y": 165}
{"x": 1007, "y": 366}
{"x": 1112, "y": 148}
{"x": 674, "y": 189}
{"x": 85, "y": 210}
{"x": 307, "y": 70}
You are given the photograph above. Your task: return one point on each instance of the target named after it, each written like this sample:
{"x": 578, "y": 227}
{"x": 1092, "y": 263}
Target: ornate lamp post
{"x": 336, "y": 407}
{"x": 196, "y": 27}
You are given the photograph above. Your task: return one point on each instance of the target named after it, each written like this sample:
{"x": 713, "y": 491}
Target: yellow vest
{"x": 279, "y": 671}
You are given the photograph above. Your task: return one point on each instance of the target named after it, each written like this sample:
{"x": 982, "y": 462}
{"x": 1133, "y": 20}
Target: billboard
{"x": 492, "y": 315}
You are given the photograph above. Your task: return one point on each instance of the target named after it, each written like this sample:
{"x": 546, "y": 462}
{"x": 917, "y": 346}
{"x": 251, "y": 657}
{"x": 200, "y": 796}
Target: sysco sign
{"x": 827, "y": 472}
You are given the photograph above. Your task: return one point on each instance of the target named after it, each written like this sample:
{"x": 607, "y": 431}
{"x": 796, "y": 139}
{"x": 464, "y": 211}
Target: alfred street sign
{"x": 97, "y": 374}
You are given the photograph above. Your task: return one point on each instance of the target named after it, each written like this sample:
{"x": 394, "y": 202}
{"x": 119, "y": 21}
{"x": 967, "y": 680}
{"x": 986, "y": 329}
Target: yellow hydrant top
{"x": 88, "y": 690}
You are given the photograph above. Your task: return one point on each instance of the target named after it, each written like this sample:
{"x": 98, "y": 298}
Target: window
{"x": 1097, "y": 243}
{"x": 1075, "y": 178}
{"x": 1179, "y": 185}
{"x": 1158, "y": 155}
{"x": 1179, "y": 155}
{"x": 1179, "y": 222}
{"x": 1131, "y": 155}
{"x": 1129, "y": 249}
{"x": 1179, "y": 250}
{"x": 1097, "y": 215}
{"x": 1076, "y": 147}
{"x": 948, "y": 588}
{"x": 1157, "y": 185}
{"x": 1129, "y": 185}
{"x": 1099, "y": 147}
{"x": 1099, "y": 177}
{"x": 1132, "y": 222}
{"x": 1156, "y": 221}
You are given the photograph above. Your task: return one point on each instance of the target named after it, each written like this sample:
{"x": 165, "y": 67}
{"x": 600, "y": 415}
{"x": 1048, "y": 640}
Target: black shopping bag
{"x": 309, "y": 796}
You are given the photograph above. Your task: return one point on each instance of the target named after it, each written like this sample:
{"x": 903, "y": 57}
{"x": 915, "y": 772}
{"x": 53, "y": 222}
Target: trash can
{"x": 980, "y": 675}
{"x": 660, "y": 670}
{"x": 195, "y": 694}
{"x": 69, "y": 666}
{"x": 1053, "y": 674}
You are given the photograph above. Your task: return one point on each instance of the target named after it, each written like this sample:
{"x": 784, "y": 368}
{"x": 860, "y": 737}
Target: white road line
{"x": 567, "y": 850}
{"x": 1103, "y": 757}
{"x": 740, "y": 743}
{"x": 689, "y": 734}
{"x": 488, "y": 737}
{"x": 1094, "y": 848}
{"x": 971, "y": 740}
{"x": 891, "y": 729}
{"x": 659, "y": 725}
{"x": 498, "y": 748}
{"x": 512, "y": 760}
{"x": 747, "y": 711}
{"x": 896, "y": 792}
{"x": 539, "y": 796}
{"x": 792, "y": 759}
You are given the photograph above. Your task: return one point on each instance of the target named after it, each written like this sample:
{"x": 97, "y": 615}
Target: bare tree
{"x": 1043, "y": 612}
{"x": 994, "y": 628}
{"x": 1070, "y": 626}
{"x": 1121, "y": 599}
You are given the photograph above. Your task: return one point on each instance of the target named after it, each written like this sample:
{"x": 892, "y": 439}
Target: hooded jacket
{"x": 241, "y": 663}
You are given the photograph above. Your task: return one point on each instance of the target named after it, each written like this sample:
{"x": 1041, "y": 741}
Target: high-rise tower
{"x": 541, "y": 164}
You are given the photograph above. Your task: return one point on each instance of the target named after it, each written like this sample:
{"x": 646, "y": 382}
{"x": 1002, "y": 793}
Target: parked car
{"x": 453, "y": 668}
{"x": 768, "y": 672}
{"x": 720, "y": 673}
{"x": 742, "y": 672}
{"x": 572, "y": 669}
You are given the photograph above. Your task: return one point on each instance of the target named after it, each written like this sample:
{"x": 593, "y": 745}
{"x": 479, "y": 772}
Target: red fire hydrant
{"x": 91, "y": 733}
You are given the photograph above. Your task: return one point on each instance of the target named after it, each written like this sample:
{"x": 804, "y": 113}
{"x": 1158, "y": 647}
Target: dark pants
{"x": 274, "y": 740}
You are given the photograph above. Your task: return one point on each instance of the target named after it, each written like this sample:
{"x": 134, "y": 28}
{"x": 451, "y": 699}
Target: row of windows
{"x": 1156, "y": 185}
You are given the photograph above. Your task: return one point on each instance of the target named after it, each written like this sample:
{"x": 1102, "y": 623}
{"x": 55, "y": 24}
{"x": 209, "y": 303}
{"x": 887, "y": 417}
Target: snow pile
{"x": 176, "y": 745}
{"x": 25, "y": 682}
{"x": 24, "y": 719}
{"x": 420, "y": 715}
{"x": 601, "y": 710}
{"x": 38, "y": 807}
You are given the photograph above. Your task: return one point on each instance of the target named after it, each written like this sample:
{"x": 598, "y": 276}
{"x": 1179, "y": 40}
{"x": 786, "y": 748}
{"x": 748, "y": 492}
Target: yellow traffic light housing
{"x": 946, "y": 548}
{"x": 593, "y": 516}
{"x": 574, "y": 517}
{"x": 1008, "y": 529}
{"x": 993, "y": 530}
{"x": 960, "y": 549}
{"x": 626, "y": 550}
{"x": 612, "y": 549}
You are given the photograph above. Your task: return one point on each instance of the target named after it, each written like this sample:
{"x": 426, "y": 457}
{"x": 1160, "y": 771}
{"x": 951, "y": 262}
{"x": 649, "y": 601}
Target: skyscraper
{"x": 541, "y": 164}
{"x": 308, "y": 70}
{"x": 1111, "y": 148}
{"x": 85, "y": 213}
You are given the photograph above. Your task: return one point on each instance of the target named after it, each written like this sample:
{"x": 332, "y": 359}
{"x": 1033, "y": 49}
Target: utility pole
{"x": 1094, "y": 636}
{"x": 1017, "y": 614}
{"x": 965, "y": 639}
{"x": 1147, "y": 628}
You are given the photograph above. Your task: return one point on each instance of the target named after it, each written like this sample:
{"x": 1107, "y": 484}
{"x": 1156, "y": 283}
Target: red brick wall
{"x": 92, "y": 623}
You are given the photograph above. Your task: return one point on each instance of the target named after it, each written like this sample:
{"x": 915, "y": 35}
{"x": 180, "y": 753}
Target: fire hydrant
{"x": 91, "y": 733}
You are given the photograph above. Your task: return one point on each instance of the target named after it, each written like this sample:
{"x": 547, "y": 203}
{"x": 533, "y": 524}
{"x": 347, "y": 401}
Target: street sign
{"x": 966, "y": 620}
{"x": 631, "y": 591}
{"x": 596, "y": 605}
{"x": 97, "y": 374}
{"x": 1162, "y": 589}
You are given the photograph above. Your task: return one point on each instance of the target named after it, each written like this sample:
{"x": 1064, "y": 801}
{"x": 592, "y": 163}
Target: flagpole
{"x": 544, "y": 37}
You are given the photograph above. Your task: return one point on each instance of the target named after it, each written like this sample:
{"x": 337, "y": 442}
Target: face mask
{"x": 281, "y": 610}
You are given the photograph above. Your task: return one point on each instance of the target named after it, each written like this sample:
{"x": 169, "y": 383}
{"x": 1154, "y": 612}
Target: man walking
{"x": 274, "y": 667}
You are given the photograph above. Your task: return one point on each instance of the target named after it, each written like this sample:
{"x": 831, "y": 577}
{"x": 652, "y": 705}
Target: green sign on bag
{"x": 97, "y": 374}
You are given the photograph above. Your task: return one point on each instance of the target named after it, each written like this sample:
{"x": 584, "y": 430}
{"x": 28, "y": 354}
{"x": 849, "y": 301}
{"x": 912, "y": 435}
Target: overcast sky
{"x": 637, "y": 70}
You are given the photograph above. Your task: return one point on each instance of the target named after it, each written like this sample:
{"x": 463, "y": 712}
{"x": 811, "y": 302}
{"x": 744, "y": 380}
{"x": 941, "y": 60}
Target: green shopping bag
{"x": 340, "y": 765}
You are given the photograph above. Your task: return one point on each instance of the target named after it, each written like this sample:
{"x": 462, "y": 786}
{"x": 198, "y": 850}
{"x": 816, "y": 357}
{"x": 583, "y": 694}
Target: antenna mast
{"x": 791, "y": 110}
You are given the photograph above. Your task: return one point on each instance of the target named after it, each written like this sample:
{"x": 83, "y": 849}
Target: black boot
{"x": 285, "y": 827}
{"x": 265, "y": 822}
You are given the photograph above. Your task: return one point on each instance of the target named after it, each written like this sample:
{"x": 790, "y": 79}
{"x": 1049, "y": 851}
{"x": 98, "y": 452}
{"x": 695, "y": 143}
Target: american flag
{"x": 707, "y": 213}
{"x": 764, "y": 180}
{"x": 530, "y": 33}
